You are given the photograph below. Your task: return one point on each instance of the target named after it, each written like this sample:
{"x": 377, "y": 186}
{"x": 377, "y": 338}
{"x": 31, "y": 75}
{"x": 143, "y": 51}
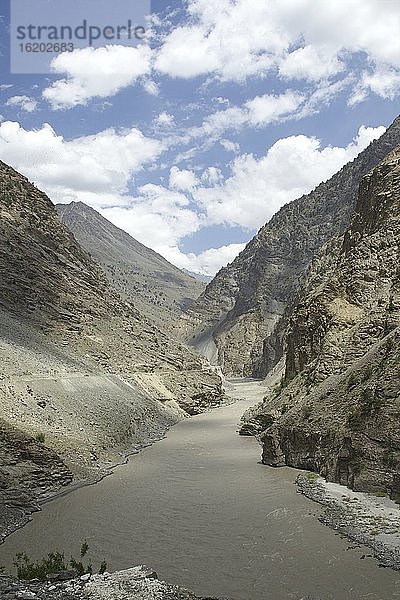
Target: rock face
{"x": 241, "y": 309}
{"x": 80, "y": 367}
{"x": 157, "y": 288}
{"x": 337, "y": 408}
{"x": 27, "y": 470}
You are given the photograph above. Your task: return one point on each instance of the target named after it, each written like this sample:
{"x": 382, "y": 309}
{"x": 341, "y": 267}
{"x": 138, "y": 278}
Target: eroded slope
{"x": 241, "y": 310}
{"x": 337, "y": 409}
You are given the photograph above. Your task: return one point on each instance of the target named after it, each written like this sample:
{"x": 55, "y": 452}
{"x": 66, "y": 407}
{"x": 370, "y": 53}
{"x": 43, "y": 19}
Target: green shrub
{"x": 54, "y": 563}
{"x": 368, "y": 403}
{"x": 26, "y": 569}
{"x": 40, "y": 437}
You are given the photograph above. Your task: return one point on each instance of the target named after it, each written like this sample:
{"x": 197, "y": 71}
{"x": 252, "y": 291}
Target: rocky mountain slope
{"x": 337, "y": 409}
{"x": 238, "y": 319}
{"x": 81, "y": 369}
{"x": 157, "y": 288}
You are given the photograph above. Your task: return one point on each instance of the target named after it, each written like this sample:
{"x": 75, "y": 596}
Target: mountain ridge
{"x": 336, "y": 409}
{"x": 84, "y": 375}
{"x": 140, "y": 274}
{"x": 241, "y": 310}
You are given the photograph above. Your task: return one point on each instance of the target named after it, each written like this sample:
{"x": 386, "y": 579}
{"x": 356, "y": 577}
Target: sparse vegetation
{"x": 368, "y": 372}
{"x": 352, "y": 381}
{"x": 311, "y": 476}
{"x": 265, "y": 420}
{"x": 369, "y": 402}
{"x": 40, "y": 437}
{"x": 55, "y": 562}
{"x": 281, "y": 385}
{"x": 306, "y": 411}
{"x": 390, "y": 459}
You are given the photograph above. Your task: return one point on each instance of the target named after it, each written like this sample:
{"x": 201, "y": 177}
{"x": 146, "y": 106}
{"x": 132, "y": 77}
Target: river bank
{"x": 203, "y": 512}
{"x": 363, "y": 518}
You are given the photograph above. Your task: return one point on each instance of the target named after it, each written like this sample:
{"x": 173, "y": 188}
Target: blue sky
{"x": 192, "y": 140}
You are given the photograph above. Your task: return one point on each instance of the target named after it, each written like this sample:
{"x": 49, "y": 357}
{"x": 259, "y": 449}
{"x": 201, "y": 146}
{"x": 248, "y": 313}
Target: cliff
{"x": 337, "y": 408}
{"x": 243, "y": 311}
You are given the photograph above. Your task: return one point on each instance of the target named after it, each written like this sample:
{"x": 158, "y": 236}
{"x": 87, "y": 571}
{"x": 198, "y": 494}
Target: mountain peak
{"x": 160, "y": 289}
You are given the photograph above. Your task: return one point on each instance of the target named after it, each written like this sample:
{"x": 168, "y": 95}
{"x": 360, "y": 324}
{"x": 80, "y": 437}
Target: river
{"x": 200, "y": 509}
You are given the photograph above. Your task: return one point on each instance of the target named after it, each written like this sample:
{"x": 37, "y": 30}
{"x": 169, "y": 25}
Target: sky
{"x": 193, "y": 138}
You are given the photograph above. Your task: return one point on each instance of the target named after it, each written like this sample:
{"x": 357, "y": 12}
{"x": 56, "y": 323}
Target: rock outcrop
{"x": 156, "y": 288}
{"x": 337, "y": 408}
{"x": 238, "y": 318}
{"x": 80, "y": 367}
{"x": 137, "y": 583}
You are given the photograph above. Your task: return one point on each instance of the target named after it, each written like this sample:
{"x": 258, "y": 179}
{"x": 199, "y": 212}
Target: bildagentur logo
{"x": 42, "y": 29}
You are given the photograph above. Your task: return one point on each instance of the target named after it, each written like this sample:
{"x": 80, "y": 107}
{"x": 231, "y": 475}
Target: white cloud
{"x": 23, "y": 102}
{"x": 164, "y": 119}
{"x": 229, "y": 146}
{"x": 151, "y": 87}
{"x": 96, "y": 73}
{"x": 208, "y": 262}
{"x": 267, "y": 109}
{"x": 257, "y": 188}
{"x": 258, "y": 112}
{"x": 384, "y": 81}
{"x": 94, "y": 169}
{"x": 158, "y": 218}
{"x": 236, "y": 39}
{"x": 212, "y": 176}
{"x": 310, "y": 63}
{"x": 182, "y": 180}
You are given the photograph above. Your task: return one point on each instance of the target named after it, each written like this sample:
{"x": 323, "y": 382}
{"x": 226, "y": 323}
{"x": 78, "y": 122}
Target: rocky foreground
{"x": 138, "y": 583}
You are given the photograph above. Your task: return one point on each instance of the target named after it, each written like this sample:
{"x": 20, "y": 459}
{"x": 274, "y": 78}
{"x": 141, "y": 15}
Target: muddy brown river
{"x": 200, "y": 509}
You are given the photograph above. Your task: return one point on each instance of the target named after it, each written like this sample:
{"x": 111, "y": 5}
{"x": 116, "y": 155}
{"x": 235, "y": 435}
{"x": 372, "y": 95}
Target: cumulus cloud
{"x": 311, "y": 63}
{"x": 212, "y": 176}
{"x": 208, "y": 262}
{"x": 293, "y": 166}
{"x": 98, "y": 170}
{"x": 94, "y": 169}
{"x": 158, "y": 218}
{"x": 23, "y": 102}
{"x": 257, "y": 112}
{"x": 164, "y": 119}
{"x": 247, "y": 38}
{"x": 97, "y": 73}
{"x": 182, "y": 180}
{"x": 266, "y": 109}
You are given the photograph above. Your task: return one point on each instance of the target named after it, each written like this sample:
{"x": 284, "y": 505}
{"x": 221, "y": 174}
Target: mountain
{"x": 83, "y": 373}
{"x": 337, "y": 408}
{"x": 240, "y": 318}
{"x": 157, "y": 288}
